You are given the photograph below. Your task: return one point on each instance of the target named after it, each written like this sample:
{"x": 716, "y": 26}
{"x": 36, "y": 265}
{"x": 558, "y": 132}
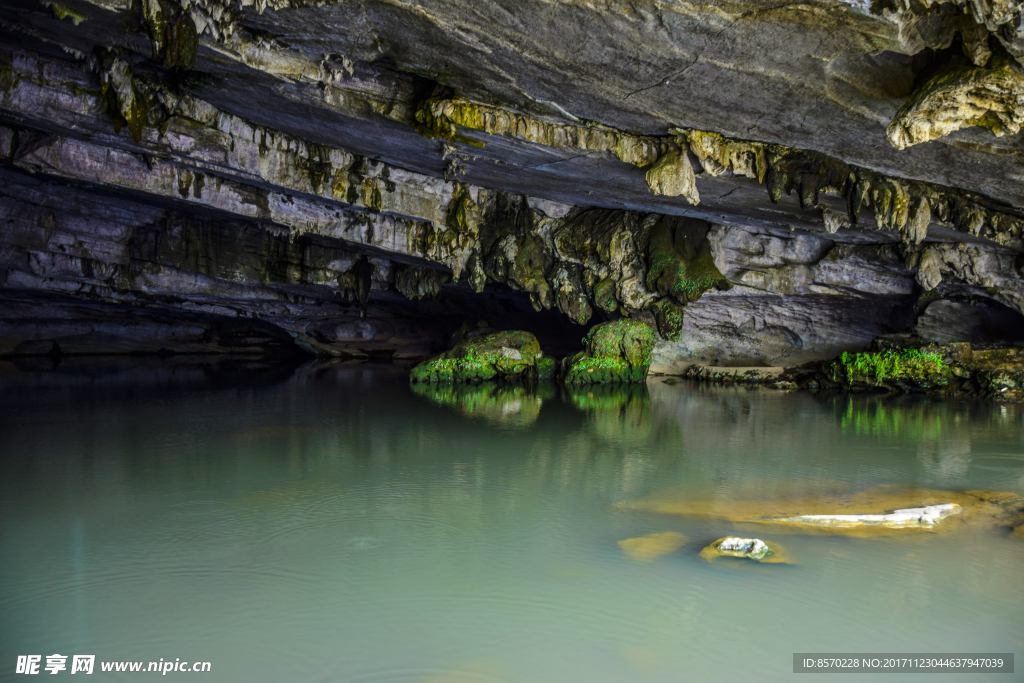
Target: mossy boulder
{"x": 513, "y": 356}
{"x": 618, "y": 351}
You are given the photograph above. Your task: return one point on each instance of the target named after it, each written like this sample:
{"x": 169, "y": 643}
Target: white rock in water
{"x": 754, "y": 548}
{"x": 911, "y": 517}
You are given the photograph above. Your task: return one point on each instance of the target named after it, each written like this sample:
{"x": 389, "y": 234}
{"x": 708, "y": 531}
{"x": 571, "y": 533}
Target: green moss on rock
{"x": 618, "y": 351}
{"x": 669, "y": 316}
{"x": 547, "y": 368}
{"x": 512, "y": 356}
{"x": 878, "y": 368}
{"x": 680, "y": 261}
{"x": 65, "y": 12}
{"x": 604, "y": 295}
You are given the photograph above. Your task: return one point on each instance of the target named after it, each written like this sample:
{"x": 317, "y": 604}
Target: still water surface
{"x": 327, "y": 523}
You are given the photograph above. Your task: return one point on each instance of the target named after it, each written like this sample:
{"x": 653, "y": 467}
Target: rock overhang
{"x": 342, "y": 87}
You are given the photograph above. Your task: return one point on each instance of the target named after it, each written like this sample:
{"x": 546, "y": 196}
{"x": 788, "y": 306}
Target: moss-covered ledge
{"x": 896, "y": 366}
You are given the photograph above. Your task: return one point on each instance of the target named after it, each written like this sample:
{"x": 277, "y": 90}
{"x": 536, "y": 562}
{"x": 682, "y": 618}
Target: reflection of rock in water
{"x": 946, "y": 459}
{"x": 943, "y": 439}
{"x": 894, "y": 419}
{"x": 497, "y": 403}
{"x": 618, "y": 412}
{"x": 651, "y": 547}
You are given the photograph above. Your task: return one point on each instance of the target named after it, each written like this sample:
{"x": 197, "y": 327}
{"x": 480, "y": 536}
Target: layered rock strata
{"x": 268, "y": 177}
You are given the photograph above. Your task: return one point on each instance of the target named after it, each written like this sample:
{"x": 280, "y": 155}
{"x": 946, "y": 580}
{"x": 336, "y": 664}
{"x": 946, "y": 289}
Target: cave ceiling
{"x": 402, "y": 127}
{"x": 821, "y": 76}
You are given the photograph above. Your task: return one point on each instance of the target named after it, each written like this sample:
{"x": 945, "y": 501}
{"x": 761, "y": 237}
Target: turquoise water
{"x": 327, "y": 523}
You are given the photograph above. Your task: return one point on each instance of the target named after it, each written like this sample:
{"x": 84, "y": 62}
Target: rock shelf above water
{"x": 895, "y": 366}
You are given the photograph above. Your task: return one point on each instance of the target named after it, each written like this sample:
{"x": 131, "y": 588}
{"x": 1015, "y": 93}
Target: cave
{"x": 648, "y": 291}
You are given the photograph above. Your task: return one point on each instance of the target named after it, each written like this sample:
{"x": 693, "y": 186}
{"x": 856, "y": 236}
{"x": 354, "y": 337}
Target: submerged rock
{"x": 927, "y": 516}
{"x": 618, "y": 351}
{"x": 513, "y": 356}
{"x": 881, "y": 510}
{"x": 749, "y": 548}
{"x": 652, "y": 546}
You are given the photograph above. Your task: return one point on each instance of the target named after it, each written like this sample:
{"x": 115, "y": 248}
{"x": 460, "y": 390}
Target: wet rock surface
{"x": 745, "y": 548}
{"x": 881, "y": 510}
{"x": 927, "y": 516}
{"x": 652, "y": 546}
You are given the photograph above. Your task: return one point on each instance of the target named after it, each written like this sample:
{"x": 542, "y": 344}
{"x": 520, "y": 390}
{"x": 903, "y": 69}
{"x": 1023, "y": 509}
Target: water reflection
{"x": 500, "y": 404}
{"x": 332, "y": 524}
{"x": 619, "y": 413}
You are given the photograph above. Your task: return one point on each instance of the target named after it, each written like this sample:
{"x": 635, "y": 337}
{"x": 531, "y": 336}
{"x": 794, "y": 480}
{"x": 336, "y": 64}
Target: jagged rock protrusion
{"x": 443, "y": 117}
{"x": 968, "y": 95}
{"x": 672, "y": 176}
{"x": 416, "y": 282}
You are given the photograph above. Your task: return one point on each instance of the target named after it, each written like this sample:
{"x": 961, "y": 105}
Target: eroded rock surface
{"x": 764, "y": 186}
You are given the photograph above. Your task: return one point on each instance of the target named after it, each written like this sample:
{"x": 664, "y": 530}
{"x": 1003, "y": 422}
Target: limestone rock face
{"x": 763, "y": 186}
